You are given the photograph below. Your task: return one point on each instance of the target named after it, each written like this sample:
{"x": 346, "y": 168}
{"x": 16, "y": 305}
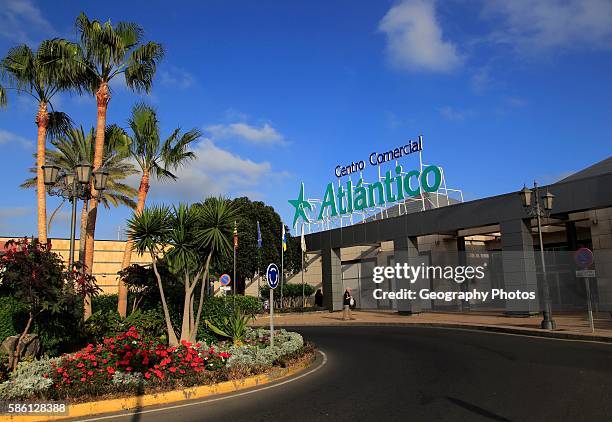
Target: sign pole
{"x": 272, "y": 278}
{"x": 588, "y": 292}
{"x": 282, "y": 274}
{"x": 303, "y": 294}
{"x": 271, "y": 317}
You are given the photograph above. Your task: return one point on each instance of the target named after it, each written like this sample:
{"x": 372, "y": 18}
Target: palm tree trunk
{"x": 187, "y": 309}
{"x": 42, "y": 120}
{"x": 102, "y": 99}
{"x": 196, "y": 324}
{"x": 172, "y": 340}
{"x": 143, "y": 189}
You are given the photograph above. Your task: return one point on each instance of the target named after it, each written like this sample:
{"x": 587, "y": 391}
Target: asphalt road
{"x": 427, "y": 374}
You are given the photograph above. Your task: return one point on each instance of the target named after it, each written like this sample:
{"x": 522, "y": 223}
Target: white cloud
{"x": 20, "y": 20}
{"x": 414, "y": 38}
{"x": 455, "y": 115}
{"x": 215, "y": 171}
{"x": 176, "y": 77}
{"x": 532, "y": 26}
{"x": 264, "y": 135}
{"x": 7, "y": 137}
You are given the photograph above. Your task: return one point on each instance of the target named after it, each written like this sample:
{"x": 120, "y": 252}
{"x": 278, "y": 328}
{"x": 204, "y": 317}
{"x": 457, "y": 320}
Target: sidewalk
{"x": 569, "y": 326}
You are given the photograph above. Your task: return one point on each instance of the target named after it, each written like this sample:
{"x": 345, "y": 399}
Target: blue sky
{"x": 503, "y": 92}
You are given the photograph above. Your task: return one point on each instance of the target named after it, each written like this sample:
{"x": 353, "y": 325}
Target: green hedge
{"x": 292, "y": 294}
{"x": 150, "y": 323}
{"x": 106, "y": 322}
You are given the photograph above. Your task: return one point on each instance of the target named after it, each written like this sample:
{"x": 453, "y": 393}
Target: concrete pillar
{"x": 571, "y": 236}
{"x": 518, "y": 260}
{"x": 601, "y": 235}
{"x": 462, "y": 258}
{"x": 331, "y": 268}
{"x": 406, "y": 250}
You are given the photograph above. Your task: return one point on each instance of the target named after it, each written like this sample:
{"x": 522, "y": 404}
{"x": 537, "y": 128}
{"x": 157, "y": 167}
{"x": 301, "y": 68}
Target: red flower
{"x": 172, "y": 369}
{"x": 110, "y": 370}
{"x": 147, "y": 375}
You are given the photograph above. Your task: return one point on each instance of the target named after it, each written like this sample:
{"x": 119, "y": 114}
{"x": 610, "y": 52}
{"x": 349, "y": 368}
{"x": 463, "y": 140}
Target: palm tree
{"x": 155, "y": 158}
{"x": 107, "y": 52}
{"x": 190, "y": 238}
{"x": 41, "y": 74}
{"x": 75, "y": 146}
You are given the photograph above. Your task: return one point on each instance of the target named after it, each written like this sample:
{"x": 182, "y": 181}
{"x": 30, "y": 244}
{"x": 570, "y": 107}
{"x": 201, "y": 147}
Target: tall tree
{"x": 155, "y": 158}
{"x": 41, "y": 74}
{"x": 75, "y": 146}
{"x": 110, "y": 51}
{"x": 249, "y": 258}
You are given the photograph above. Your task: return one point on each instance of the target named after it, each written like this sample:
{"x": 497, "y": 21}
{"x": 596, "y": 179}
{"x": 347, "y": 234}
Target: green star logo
{"x": 300, "y": 205}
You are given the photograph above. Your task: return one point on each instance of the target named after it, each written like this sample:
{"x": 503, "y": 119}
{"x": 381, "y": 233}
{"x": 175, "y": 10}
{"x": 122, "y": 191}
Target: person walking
{"x": 347, "y": 301}
{"x": 319, "y": 298}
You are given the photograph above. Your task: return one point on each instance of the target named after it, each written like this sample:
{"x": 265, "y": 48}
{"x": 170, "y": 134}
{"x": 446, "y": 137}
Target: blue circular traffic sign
{"x": 225, "y": 279}
{"x": 273, "y": 276}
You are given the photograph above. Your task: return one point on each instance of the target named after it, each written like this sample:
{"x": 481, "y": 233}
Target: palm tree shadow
{"x": 477, "y": 409}
{"x": 137, "y": 410}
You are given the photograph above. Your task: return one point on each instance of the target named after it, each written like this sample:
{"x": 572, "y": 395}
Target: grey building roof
{"x": 597, "y": 169}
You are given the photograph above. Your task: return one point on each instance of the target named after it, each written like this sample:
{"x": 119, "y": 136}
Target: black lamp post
{"x": 540, "y": 210}
{"x": 73, "y": 185}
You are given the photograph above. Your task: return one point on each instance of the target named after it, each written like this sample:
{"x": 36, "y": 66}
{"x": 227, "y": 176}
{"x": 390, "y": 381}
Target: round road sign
{"x": 272, "y": 275}
{"x": 225, "y": 279}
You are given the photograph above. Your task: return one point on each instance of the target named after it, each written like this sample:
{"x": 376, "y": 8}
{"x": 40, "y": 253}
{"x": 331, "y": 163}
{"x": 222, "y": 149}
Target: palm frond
{"x": 142, "y": 65}
{"x": 3, "y": 99}
{"x": 149, "y": 230}
{"x": 59, "y": 124}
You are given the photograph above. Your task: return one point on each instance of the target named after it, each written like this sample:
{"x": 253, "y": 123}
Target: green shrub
{"x": 104, "y": 303}
{"x": 29, "y": 379}
{"x": 109, "y": 324}
{"x": 58, "y": 332}
{"x": 292, "y": 294}
{"x": 217, "y": 309}
{"x": 12, "y": 317}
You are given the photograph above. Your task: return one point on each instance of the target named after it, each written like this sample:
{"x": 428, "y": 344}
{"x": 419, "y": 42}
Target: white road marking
{"x": 244, "y": 393}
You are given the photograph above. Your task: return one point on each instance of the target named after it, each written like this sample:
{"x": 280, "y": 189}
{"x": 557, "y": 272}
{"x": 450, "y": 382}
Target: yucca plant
{"x": 189, "y": 237}
{"x": 233, "y": 327}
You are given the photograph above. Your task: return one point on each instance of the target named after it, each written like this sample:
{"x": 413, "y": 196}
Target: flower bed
{"x": 129, "y": 364}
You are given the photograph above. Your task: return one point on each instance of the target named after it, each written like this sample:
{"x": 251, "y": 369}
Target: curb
{"x": 138, "y": 402}
{"x": 489, "y": 328}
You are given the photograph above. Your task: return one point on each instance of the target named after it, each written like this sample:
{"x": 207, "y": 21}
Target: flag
{"x": 284, "y": 239}
{"x": 235, "y": 235}
{"x": 303, "y": 240}
{"x": 259, "y": 241}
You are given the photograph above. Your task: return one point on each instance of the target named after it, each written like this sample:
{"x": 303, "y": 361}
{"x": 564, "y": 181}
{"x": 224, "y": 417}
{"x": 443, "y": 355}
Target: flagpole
{"x": 282, "y": 265}
{"x": 235, "y": 247}
{"x": 303, "y": 249}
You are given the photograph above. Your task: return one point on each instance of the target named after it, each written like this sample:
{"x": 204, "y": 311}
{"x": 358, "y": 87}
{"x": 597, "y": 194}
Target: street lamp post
{"x": 73, "y": 185}
{"x": 538, "y": 211}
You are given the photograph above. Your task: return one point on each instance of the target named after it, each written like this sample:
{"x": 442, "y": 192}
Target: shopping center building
{"x": 497, "y": 230}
